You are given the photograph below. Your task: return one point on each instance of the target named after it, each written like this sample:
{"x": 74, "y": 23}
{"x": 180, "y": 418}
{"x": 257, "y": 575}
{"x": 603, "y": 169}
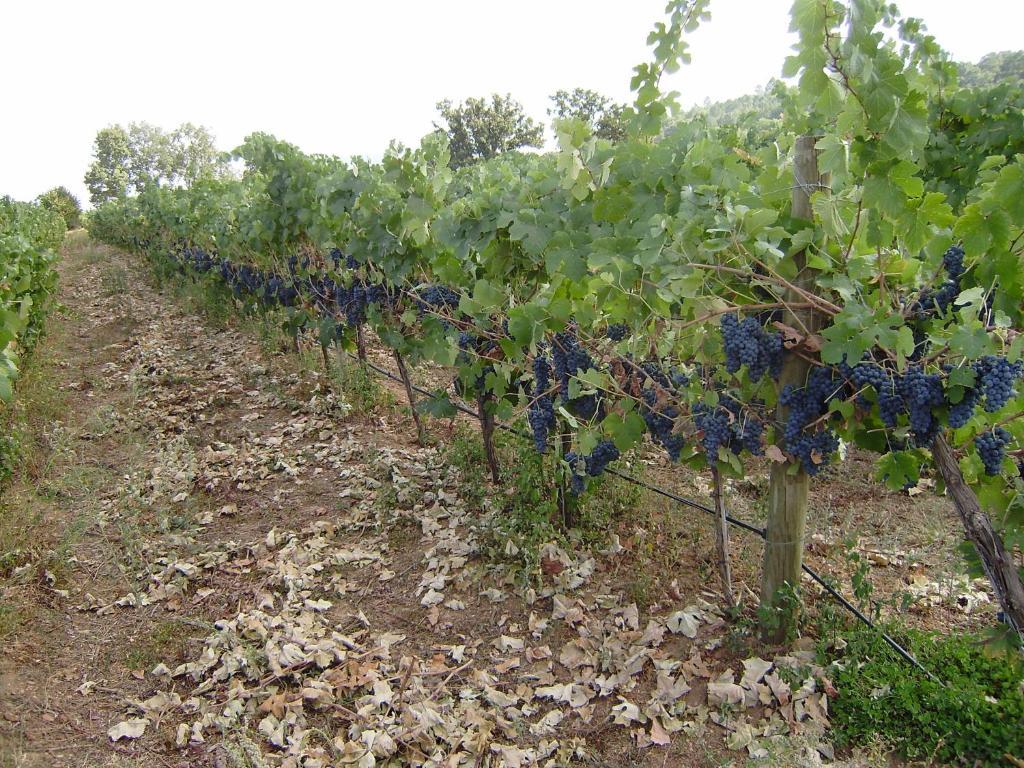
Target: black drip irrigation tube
{"x": 902, "y": 652}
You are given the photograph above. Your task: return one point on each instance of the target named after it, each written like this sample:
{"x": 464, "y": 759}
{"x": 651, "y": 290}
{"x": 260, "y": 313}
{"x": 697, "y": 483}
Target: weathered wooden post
{"x": 360, "y": 344}
{"x": 788, "y": 486}
{"x": 722, "y": 537}
{"x": 421, "y": 435}
{"x": 566, "y": 500}
{"x": 483, "y": 400}
{"x": 996, "y": 561}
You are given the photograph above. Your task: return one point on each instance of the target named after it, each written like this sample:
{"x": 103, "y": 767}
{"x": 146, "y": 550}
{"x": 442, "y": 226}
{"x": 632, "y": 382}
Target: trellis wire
{"x": 902, "y": 652}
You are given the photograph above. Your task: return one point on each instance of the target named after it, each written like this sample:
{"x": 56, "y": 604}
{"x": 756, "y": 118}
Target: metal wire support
{"x": 902, "y": 652}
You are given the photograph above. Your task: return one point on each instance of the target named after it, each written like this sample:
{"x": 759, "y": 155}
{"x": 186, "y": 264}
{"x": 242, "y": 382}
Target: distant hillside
{"x": 993, "y": 69}
{"x": 764, "y": 104}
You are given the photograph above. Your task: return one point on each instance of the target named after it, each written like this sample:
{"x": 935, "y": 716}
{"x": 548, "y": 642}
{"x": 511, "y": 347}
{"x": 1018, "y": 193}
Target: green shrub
{"x": 976, "y": 718}
{"x": 66, "y": 205}
{"x": 28, "y": 278}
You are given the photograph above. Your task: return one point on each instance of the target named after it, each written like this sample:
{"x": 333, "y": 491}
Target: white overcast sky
{"x": 344, "y": 78}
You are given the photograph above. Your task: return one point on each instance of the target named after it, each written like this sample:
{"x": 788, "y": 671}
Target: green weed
{"x": 975, "y": 714}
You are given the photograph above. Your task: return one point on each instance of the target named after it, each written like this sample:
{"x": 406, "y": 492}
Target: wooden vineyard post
{"x": 788, "y": 485}
{"x": 339, "y": 356}
{"x": 722, "y": 538}
{"x": 360, "y": 343}
{"x": 566, "y": 502}
{"x": 487, "y": 431}
{"x": 327, "y": 362}
{"x": 997, "y": 563}
{"x": 421, "y": 435}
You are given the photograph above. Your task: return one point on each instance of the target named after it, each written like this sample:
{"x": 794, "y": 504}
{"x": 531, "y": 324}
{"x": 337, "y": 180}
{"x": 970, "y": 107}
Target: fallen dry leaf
{"x": 128, "y": 729}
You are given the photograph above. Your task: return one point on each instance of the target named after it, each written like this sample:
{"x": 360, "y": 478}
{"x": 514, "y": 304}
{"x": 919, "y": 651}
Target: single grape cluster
{"x": 921, "y": 393}
{"x": 807, "y": 405}
{"x": 591, "y": 465}
{"x": 656, "y": 408}
{"x": 747, "y": 343}
{"x": 352, "y": 302}
{"x": 336, "y": 257}
{"x": 569, "y": 359}
{"x": 617, "y": 331}
{"x": 541, "y": 413}
{"x": 437, "y": 298}
{"x": 728, "y": 425}
{"x": 991, "y": 448}
{"x": 995, "y": 380}
{"x": 928, "y": 302}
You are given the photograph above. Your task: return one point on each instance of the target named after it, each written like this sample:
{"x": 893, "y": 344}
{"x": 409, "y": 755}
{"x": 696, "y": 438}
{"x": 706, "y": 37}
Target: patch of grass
{"x": 360, "y": 388}
{"x": 640, "y": 589}
{"x": 606, "y": 500}
{"x": 24, "y": 426}
{"x": 114, "y": 280}
{"x": 58, "y": 560}
{"x": 11, "y": 617}
{"x": 270, "y": 333}
{"x": 77, "y": 245}
{"x": 205, "y": 295}
{"x": 524, "y": 508}
{"x": 32, "y": 439}
{"x": 165, "y": 641}
{"x": 10, "y": 452}
{"x": 976, "y": 715}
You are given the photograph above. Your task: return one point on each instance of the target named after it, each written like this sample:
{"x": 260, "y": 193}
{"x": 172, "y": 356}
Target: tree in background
{"x": 127, "y": 160}
{"x": 604, "y": 116}
{"x": 194, "y": 155}
{"x": 108, "y": 178}
{"x": 993, "y": 69}
{"x": 61, "y": 201}
{"x": 478, "y": 130}
{"x": 765, "y": 103}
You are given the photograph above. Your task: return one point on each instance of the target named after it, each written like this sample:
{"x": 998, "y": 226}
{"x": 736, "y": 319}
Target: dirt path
{"x": 210, "y": 555}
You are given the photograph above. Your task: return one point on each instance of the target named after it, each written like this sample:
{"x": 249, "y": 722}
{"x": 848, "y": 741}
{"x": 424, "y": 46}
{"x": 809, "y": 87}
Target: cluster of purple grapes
{"x": 437, "y": 298}
{"x": 617, "y": 331}
{"x": 727, "y": 426}
{"x": 243, "y": 279}
{"x": 594, "y": 464}
{"x": 660, "y": 416}
{"x": 336, "y": 257}
{"x": 353, "y": 301}
{"x": 747, "y": 343}
{"x": 991, "y": 448}
{"x": 472, "y": 349}
{"x": 673, "y": 380}
{"x": 929, "y": 301}
{"x": 921, "y": 393}
{"x": 806, "y": 406}
{"x": 277, "y": 291}
{"x": 569, "y": 359}
{"x": 541, "y": 413}
{"x": 714, "y": 425}
{"x": 198, "y": 259}
{"x": 868, "y": 374}
{"x": 918, "y": 395}
{"x": 661, "y": 422}
{"x": 995, "y": 379}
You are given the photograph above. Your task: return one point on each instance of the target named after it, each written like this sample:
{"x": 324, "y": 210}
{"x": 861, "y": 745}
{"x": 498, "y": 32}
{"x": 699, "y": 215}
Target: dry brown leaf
{"x": 128, "y": 729}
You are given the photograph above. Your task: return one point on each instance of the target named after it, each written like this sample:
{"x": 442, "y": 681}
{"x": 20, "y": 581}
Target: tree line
{"x": 129, "y": 158}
